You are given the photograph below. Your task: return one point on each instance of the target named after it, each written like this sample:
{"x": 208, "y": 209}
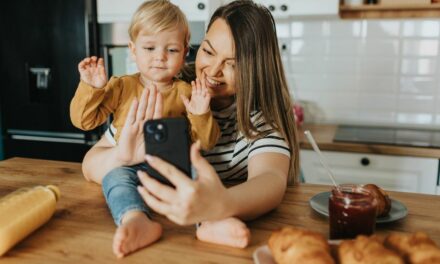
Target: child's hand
{"x": 200, "y": 99}
{"x": 92, "y": 72}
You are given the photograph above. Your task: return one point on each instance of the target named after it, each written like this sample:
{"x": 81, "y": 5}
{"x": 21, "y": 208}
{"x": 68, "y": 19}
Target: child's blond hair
{"x": 156, "y": 16}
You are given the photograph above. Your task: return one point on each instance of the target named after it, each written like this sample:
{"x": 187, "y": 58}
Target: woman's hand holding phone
{"x": 190, "y": 201}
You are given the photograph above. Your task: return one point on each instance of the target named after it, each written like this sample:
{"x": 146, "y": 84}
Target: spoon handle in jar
{"x": 320, "y": 156}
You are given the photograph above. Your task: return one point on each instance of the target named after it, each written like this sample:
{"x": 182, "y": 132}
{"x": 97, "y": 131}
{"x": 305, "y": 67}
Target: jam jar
{"x": 352, "y": 211}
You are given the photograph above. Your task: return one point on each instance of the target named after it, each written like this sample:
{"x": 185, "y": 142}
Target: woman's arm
{"x": 264, "y": 189}
{"x": 99, "y": 160}
{"x": 206, "y": 199}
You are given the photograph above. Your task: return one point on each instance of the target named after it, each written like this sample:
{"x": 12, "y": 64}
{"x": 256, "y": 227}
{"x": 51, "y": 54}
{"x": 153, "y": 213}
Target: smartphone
{"x": 168, "y": 138}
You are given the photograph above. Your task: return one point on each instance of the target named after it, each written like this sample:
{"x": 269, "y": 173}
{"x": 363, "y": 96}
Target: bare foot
{"x": 136, "y": 231}
{"x": 230, "y": 232}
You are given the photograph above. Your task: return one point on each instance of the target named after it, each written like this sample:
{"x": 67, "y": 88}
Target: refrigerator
{"x": 42, "y": 43}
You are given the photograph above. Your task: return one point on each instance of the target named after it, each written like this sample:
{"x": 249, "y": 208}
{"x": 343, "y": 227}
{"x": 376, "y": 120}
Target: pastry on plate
{"x": 415, "y": 248}
{"x": 366, "y": 250}
{"x": 382, "y": 198}
{"x": 294, "y": 245}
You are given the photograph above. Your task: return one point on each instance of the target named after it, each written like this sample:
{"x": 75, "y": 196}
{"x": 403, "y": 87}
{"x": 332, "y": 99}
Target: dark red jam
{"x": 352, "y": 211}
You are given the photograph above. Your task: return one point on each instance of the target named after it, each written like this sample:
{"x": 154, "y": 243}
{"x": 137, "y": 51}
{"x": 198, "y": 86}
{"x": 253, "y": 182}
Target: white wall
{"x": 380, "y": 72}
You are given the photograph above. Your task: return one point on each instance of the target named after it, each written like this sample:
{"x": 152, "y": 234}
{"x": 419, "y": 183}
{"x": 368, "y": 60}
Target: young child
{"x": 159, "y": 37}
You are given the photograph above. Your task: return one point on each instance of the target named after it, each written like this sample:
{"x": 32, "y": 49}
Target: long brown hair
{"x": 260, "y": 81}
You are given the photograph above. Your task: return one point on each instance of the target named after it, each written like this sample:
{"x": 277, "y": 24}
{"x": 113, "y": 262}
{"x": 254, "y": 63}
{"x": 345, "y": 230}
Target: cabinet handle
{"x": 201, "y": 6}
{"x": 283, "y": 7}
{"x": 272, "y": 8}
{"x": 365, "y": 161}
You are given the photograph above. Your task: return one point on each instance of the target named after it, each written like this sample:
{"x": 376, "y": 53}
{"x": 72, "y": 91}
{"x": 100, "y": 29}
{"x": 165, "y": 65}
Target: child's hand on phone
{"x": 92, "y": 72}
{"x": 200, "y": 99}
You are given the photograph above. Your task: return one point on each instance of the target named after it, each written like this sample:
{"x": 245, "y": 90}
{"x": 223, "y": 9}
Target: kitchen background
{"x": 378, "y": 68}
{"x": 376, "y": 72}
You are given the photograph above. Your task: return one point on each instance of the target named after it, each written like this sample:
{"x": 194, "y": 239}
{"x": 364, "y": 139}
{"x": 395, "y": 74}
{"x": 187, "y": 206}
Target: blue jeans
{"x": 120, "y": 191}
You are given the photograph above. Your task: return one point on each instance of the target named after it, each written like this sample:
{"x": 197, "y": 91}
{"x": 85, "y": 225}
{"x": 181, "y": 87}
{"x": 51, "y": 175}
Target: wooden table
{"x": 81, "y": 230}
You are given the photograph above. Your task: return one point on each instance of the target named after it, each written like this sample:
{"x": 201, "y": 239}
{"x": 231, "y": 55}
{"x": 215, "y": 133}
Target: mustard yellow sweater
{"x": 91, "y": 107}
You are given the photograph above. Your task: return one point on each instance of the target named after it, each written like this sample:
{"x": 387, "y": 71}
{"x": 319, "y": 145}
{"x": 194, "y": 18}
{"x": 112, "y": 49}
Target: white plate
{"x": 398, "y": 210}
{"x": 262, "y": 255}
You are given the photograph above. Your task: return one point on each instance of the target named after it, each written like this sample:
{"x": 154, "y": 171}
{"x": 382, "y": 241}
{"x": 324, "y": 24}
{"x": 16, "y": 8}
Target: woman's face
{"x": 215, "y": 61}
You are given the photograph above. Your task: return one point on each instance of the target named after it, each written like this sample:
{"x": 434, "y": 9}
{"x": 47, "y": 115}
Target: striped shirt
{"x": 231, "y": 153}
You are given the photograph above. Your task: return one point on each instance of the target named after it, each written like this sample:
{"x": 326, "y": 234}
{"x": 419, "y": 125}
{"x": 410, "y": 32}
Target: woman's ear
{"x": 132, "y": 48}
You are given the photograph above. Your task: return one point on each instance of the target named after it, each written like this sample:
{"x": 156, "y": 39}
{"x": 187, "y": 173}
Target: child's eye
{"x": 207, "y": 51}
{"x": 173, "y": 50}
{"x": 149, "y": 48}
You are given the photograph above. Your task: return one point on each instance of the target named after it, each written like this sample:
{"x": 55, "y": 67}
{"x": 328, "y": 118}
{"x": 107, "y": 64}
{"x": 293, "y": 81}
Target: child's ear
{"x": 132, "y": 48}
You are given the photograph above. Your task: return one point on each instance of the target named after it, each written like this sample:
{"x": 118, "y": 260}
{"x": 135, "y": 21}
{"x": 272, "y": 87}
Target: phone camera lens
{"x": 159, "y": 136}
{"x": 151, "y": 128}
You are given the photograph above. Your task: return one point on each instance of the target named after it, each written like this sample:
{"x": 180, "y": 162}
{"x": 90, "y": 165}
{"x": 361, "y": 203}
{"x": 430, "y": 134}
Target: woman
{"x": 240, "y": 63}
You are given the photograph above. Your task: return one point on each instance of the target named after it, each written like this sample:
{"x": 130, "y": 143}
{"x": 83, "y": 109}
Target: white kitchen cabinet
{"x": 397, "y": 173}
{"x": 302, "y": 8}
{"x": 111, "y": 11}
{"x": 114, "y": 11}
{"x": 278, "y": 8}
{"x": 315, "y": 8}
{"x": 198, "y": 10}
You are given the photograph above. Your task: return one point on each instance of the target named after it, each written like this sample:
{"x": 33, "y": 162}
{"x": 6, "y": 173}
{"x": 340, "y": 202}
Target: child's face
{"x": 159, "y": 57}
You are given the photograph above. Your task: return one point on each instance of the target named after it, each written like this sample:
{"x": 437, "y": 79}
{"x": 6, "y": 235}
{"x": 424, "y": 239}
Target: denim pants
{"x": 120, "y": 191}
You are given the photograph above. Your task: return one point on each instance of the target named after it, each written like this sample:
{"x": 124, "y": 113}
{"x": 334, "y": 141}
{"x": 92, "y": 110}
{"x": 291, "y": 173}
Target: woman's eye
{"x": 207, "y": 51}
{"x": 231, "y": 65}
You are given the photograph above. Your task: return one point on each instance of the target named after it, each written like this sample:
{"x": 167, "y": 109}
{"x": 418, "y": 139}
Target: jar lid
{"x": 55, "y": 190}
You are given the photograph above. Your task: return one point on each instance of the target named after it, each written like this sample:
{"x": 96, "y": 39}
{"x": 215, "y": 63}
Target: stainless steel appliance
{"x": 114, "y": 39}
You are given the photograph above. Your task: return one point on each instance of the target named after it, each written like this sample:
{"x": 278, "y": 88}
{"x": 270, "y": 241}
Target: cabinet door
{"x": 398, "y": 173}
{"x": 110, "y": 11}
{"x": 326, "y": 8}
{"x": 197, "y": 10}
{"x": 281, "y": 9}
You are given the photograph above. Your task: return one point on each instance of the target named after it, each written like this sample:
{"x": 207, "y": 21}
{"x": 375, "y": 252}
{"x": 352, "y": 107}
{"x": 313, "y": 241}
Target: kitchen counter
{"x": 324, "y": 135}
{"x": 81, "y": 229}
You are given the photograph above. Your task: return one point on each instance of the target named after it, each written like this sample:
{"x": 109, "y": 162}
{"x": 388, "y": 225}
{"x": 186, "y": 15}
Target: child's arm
{"x": 203, "y": 125}
{"x": 87, "y": 109}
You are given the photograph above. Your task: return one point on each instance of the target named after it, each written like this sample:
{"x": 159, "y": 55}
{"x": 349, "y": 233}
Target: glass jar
{"x": 352, "y": 211}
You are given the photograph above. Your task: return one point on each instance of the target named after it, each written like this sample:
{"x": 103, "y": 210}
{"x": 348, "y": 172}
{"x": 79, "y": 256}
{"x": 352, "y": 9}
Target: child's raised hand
{"x": 92, "y": 72}
{"x": 200, "y": 98}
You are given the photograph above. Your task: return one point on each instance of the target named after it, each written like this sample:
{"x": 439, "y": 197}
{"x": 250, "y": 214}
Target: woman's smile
{"x": 212, "y": 82}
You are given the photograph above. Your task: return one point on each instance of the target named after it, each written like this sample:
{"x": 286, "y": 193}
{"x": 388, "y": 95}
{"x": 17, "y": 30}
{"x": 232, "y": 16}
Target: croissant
{"x": 366, "y": 250}
{"x": 293, "y": 245}
{"x": 382, "y": 198}
{"x": 415, "y": 248}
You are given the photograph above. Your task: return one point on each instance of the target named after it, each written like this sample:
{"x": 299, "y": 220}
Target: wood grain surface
{"x": 81, "y": 230}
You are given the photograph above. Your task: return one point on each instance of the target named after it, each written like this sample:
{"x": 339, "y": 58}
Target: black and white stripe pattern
{"x": 231, "y": 153}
